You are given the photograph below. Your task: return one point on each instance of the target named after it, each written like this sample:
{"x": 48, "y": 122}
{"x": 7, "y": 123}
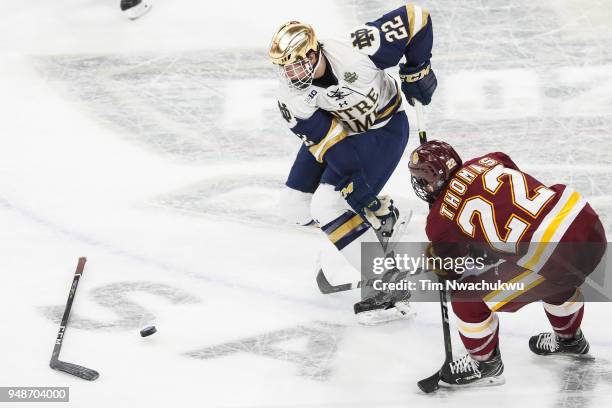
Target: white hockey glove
{"x": 380, "y": 216}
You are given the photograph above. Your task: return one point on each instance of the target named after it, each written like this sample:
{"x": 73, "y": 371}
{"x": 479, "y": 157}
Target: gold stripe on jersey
{"x": 335, "y": 134}
{"x": 380, "y": 116}
{"x": 425, "y": 17}
{"x": 544, "y": 242}
{"x": 417, "y": 19}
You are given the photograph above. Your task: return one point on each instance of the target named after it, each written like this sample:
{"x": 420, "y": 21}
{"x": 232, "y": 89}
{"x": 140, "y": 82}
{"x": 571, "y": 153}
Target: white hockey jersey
{"x": 357, "y": 101}
{"x": 363, "y": 95}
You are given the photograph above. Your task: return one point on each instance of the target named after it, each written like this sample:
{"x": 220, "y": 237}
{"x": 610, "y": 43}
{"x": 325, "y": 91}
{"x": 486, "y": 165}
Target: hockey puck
{"x": 147, "y": 331}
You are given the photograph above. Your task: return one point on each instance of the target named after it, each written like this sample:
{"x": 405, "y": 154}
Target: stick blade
{"x": 430, "y": 384}
{"x": 326, "y": 288}
{"x": 75, "y": 369}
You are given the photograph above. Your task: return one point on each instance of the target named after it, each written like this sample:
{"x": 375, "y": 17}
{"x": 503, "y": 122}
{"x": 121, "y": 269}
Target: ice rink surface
{"x": 155, "y": 148}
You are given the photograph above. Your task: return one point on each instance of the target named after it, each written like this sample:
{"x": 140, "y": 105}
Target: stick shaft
{"x": 420, "y": 121}
{"x": 448, "y": 347}
{"x": 63, "y": 325}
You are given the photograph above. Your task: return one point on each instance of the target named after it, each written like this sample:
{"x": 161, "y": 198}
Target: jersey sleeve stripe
{"x": 335, "y": 134}
{"x": 417, "y": 19}
{"x": 417, "y": 23}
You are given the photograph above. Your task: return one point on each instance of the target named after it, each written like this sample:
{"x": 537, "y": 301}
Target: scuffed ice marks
{"x": 311, "y": 347}
{"x": 533, "y": 79}
{"x": 116, "y": 298}
{"x": 497, "y": 34}
{"x": 528, "y": 78}
{"x": 199, "y": 107}
{"x": 252, "y": 199}
{"x": 314, "y": 361}
{"x": 579, "y": 380}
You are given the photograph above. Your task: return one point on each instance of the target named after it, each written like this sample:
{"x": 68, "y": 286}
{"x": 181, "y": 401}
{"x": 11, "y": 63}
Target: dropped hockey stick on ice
{"x": 70, "y": 368}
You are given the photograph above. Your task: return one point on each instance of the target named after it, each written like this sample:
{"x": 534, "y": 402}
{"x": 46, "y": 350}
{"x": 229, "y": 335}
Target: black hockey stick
{"x": 431, "y": 384}
{"x": 326, "y": 288}
{"x": 73, "y": 369}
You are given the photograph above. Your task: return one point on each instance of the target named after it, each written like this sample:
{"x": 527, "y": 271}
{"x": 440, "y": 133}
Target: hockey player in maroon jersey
{"x": 549, "y": 239}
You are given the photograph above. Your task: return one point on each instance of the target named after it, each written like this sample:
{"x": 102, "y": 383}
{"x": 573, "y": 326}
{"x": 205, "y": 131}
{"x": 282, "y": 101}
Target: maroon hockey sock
{"x": 565, "y": 318}
{"x": 478, "y": 328}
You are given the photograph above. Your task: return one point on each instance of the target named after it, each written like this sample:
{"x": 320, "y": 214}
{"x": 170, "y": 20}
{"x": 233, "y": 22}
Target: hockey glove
{"x": 438, "y": 265}
{"x": 487, "y": 257}
{"x": 418, "y": 82}
{"x": 359, "y": 196}
{"x": 386, "y": 211}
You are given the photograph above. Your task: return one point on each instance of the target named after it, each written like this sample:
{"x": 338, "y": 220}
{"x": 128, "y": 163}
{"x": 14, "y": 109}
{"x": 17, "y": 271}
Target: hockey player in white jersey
{"x": 337, "y": 98}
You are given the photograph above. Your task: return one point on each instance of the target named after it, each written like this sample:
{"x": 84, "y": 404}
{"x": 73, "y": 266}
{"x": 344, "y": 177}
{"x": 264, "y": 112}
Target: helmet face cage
{"x": 420, "y": 189}
{"x": 289, "y": 50}
{"x": 298, "y": 75}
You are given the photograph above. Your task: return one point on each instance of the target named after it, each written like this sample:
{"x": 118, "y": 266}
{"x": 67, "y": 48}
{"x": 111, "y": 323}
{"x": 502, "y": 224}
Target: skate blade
{"x": 398, "y": 232}
{"x": 403, "y": 310}
{"x": 483, "y": 382}
{"x": 568, "y": 356}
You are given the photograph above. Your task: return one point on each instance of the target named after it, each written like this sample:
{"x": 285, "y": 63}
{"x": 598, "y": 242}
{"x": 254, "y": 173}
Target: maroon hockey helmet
{"x": 432, "y": 165}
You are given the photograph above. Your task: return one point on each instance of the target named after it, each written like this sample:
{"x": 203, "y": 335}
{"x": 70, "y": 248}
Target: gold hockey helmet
{"x": 289, "y": 50}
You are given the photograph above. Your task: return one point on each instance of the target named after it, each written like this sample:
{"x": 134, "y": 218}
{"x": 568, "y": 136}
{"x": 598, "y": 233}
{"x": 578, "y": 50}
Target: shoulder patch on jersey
{"x": 366, "y": 39}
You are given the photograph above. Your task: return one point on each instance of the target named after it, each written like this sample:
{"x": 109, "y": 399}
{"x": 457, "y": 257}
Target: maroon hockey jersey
{"x": 491, "y": 203}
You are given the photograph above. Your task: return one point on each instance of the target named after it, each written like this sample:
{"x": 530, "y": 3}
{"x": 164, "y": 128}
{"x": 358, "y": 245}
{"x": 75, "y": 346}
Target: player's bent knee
{"x": 469, "y": 311}
{"x": 327, "y": 204}
{"x": 295, "y": 206}
{"x": 337, "y": 220}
